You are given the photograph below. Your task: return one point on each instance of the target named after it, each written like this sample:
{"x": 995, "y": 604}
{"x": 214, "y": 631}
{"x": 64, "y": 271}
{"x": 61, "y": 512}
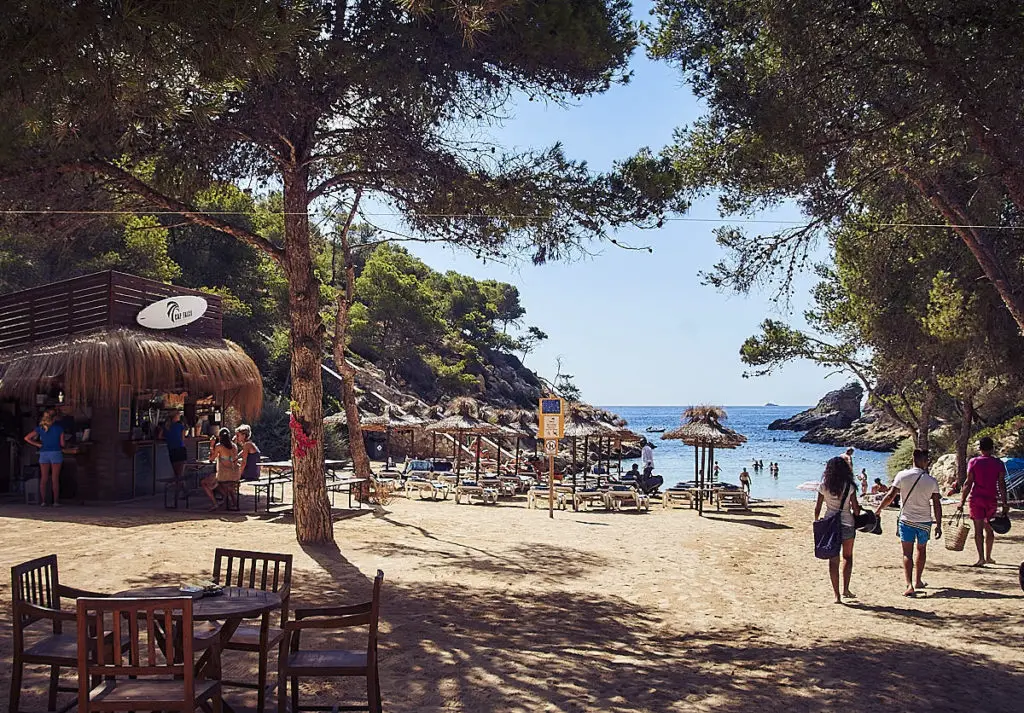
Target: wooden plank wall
{"x": 129, "y": 294}
{"x": 83, "y": 304}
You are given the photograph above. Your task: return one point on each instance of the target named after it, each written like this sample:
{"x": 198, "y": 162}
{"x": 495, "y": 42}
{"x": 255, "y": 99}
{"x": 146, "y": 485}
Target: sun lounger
{"x": 679, "y": 496}
{"x": 732, "y": 500}
{"x": 615, "y": 498}
{"x": 469, "y": 489}
{"x": 433, "y": 488}
{"x": 538, "y": 497}
{"x": 587, "y": 498}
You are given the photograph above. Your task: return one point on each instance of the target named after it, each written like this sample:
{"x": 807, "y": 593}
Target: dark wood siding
{"x": 83, "y": 304}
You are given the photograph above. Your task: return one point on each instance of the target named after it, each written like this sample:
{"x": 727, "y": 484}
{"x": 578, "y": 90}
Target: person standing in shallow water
{"x": 986, "y": 486}
{"x": 838, "y": 493}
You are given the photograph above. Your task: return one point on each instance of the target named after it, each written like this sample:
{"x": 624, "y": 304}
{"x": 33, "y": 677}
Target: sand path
{"x": 501, "y": 609}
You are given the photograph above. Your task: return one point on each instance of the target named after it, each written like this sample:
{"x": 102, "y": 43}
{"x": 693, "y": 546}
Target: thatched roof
{"x": 463, "y": 417}
{"x": 91, "y": 368}
{"x": 390, "y": 419}
{"x": 519, "y": 422}
{"x": 702, "y": 427}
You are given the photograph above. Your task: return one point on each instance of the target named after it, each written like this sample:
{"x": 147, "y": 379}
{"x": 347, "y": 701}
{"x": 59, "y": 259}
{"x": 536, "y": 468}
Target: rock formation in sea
{"x": 837, "y": 420}
{"x": 836, "y": 409}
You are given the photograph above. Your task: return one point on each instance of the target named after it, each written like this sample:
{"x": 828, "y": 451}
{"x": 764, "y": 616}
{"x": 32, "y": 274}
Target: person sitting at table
{"x": 248, "y": 453}
{"x": 224, "y": 453}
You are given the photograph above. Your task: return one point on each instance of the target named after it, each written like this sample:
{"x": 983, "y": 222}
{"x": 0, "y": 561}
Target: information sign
{"x": 551, "y": 447}
{"x": 551, "y": 419}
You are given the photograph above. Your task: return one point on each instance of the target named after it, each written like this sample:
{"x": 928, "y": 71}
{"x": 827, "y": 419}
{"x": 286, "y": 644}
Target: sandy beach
{"x": 501, "y": 609}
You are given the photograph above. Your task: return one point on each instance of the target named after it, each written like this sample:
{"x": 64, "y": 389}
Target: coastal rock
{"x": 837, "y": 409}
{"x": 944, "y": 471}
{"x": 874, "y": 431}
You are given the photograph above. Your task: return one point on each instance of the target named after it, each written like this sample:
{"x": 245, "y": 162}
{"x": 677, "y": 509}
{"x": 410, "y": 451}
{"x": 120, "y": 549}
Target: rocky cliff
{"x": 836, "y": 409}
{"x": 837, "y": 420}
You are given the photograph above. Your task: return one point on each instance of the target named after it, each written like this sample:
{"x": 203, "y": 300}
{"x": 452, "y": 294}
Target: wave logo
{"x": 176, "y": 314}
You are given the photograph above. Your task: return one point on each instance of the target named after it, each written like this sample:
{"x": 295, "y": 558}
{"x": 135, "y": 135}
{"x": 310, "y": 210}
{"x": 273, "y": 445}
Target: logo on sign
{"x": 551, "y": 447}
{"x": 172, "y": 312}
{"x": 176, "y": 314}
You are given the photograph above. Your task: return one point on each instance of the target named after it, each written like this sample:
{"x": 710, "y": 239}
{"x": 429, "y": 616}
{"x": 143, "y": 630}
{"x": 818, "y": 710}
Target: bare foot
{"x": 838, "y": 601}
{"x": 849, "y": 595}
{"x": 921, "y": 585}
{"x": 910, "y": 592}
{"x": 990, "y": 561}
{"x": 213, "y": 508}
{"x": 979, "y": 563}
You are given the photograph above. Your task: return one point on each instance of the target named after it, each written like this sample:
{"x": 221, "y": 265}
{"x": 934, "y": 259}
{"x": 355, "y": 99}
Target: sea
{"x": 798, "y": 462}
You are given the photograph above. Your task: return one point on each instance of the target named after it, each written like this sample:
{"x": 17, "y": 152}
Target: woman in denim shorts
{"x": 48, "y": 437}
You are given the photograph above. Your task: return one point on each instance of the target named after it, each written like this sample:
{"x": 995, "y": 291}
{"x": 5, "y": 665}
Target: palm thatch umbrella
{"x": 391, "y": 421}
{"x": 521, "y": 424}
{"x": 464, "y": 419}
{"x": 702, "y": 428}
{"x": 618, "y": 432}
{"x": 91, "y": 368}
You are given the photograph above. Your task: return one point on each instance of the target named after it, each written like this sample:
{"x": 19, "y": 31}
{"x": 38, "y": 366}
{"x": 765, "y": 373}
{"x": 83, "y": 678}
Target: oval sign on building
{"x": 172, "y": 312}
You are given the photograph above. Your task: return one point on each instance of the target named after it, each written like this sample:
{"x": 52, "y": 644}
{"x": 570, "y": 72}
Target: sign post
{"x": 552, "y": 427}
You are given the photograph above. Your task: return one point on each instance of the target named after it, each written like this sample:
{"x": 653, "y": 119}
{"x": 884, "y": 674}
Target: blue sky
{"x": 636, "y": 328}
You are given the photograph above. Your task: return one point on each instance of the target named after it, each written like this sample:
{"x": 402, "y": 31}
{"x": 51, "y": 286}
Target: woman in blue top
{"x": 174, "y": 433}
{"x": 48, "y": 437}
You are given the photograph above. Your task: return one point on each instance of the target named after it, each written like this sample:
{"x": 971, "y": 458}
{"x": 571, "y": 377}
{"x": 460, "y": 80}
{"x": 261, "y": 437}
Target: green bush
{"x": 901, "y": 458}
{"x": 1008, "y": 437}
{"x": 270, "y": 432}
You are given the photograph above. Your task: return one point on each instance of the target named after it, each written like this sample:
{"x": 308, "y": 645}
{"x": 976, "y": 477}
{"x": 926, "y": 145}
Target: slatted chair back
{"x": 159, "y": 646}
{"x": 268, "y": 571}
{"x": 333, "y": 618}
{"x": 34, "y": 584}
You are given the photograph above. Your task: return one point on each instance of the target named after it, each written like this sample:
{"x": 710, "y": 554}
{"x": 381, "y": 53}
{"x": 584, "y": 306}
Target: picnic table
{"x": 230, "y": 608}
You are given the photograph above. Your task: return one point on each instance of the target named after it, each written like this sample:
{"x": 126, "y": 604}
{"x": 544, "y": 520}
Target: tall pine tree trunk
{"x": 964, "y": 438}
{"x": 356, "y": 444}
{"x": 313, "y": 522}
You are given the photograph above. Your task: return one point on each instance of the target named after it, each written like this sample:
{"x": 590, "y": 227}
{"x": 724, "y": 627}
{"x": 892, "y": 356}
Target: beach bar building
{"x": 114, "y": 354}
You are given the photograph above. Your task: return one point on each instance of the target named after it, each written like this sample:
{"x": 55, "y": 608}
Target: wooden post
{"x": 433, "y": 445}
{"x": 458, "y": 457}
{"x": 518, "y": 438}
{"x": 478, "y": 456}
{"x": 551, "y": 487}
{"x": 696, "y": 471}
{"x": 703, "y": 475}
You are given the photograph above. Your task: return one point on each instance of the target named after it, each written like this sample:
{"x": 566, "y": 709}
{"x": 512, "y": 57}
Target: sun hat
{"x": 1000, "y": 524}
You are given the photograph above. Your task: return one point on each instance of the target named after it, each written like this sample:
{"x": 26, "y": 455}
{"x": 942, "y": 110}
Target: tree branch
{"x": 132, "y": 184}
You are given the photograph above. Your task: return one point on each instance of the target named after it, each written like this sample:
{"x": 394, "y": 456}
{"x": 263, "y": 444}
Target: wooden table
{"x": 232, "y": 607}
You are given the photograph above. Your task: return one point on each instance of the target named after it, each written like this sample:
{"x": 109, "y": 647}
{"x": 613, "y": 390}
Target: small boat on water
{"x": 654, "y": 429}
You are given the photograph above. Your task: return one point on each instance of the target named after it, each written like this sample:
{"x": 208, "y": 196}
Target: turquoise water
{"x": 798, "y": 462}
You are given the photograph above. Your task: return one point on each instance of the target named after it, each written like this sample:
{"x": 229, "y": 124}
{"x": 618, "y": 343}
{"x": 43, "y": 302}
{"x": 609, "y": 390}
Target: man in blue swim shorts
{"x": 920, "y": 495}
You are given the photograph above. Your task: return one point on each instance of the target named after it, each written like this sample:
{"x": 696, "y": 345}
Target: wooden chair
{"x": 294, "y": 662}
{"x": 255, "y": 570}
{"x": 158, "y": 670}
{"x": 36, "y": 592}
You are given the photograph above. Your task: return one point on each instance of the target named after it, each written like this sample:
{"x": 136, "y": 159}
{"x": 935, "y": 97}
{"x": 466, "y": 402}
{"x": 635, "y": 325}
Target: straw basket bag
{"x": 957, "y": 532}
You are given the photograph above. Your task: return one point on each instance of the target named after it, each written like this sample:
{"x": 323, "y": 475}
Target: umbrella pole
{"x": 387, "y": 446}
{"x": 499, "y": 439}
{"x": 433, "y": 446}
{"x": 620, "y": 458}
{"x": 586, "y": 460}
{"x": 478, "y": 456}
{"x": 703, "y": 473}
{"x": 696, "y": 472}
{"x": 458, "y": 456}
{"x": 517, "y": 455}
